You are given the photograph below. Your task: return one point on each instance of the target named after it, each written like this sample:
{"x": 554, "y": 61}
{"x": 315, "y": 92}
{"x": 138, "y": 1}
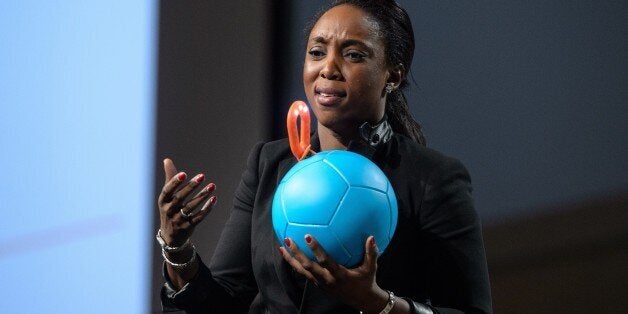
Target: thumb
{"x": 372, "y": 252}
{"x": 169, "y": 169}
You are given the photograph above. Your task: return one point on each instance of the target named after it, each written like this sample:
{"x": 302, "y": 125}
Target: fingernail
{"x": 287, "y": 242}
{"x": 199, "y": 178}
{"x": 181, "y": 176}
{"x": 308, "y": 239}
{"x": 214, "y": 199}
{"x": 372, "y": 242}
{"x": 280, "y": 252}
{"x": 210, "y": 187}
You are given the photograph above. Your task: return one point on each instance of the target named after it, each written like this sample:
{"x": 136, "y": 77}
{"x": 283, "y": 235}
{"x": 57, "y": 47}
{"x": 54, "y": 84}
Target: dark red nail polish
{"x": 280, "y": 252}
{"x": 210, "y": 187}
{"x": 308, "y": 239}
{"x": 181, "y": 176}
{"x": 372, "y": 242}
{"x": 287, "y": 242}
{"x": 199, "y": 178}
{"x": 214, "y": 199}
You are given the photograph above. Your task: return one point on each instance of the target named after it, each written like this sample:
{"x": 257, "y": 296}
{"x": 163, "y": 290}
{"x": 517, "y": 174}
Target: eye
{"x": 355, "y": 56}
{"x": 316, "y": 53}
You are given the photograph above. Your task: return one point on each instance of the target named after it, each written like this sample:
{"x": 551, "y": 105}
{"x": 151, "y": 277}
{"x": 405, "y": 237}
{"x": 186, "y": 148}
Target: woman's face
{"x": 345, "y": 69}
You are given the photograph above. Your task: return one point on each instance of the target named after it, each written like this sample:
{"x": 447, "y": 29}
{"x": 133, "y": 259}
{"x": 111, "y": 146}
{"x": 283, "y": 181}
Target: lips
{"x": 327, "y": 96}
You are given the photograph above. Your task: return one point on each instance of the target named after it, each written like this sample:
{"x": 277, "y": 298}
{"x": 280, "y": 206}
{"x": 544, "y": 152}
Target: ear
{"x": 396, "y": 75}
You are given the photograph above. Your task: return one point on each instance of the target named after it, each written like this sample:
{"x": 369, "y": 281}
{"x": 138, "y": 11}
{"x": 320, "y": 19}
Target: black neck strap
{"x": 377, "y": 134}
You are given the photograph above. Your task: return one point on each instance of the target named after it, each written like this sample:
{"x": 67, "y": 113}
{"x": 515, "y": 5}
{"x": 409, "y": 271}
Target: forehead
{"x": 346, "y": 22}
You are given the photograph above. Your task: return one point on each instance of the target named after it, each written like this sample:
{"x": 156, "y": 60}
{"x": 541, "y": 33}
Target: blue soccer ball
{"x": 340, "y": 198}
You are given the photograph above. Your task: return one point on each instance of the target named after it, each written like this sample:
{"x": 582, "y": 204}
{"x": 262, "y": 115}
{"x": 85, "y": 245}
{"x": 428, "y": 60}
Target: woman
{"x": 357, "y": 57}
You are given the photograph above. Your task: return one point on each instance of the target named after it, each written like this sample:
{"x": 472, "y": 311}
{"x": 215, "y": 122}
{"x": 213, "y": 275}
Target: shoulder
{"x": 273, "y": 150}
{"x": 428, "y": 161}
{"x": 269, "y": 150}
{"x": 269, "y": 157}
{"x": 276, "y": 147}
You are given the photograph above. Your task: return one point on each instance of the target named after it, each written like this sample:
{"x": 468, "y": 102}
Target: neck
{"x": 331, "y": 139}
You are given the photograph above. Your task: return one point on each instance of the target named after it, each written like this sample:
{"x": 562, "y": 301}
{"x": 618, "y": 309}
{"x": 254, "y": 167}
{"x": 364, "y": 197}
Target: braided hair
{"x": 396, "y": 29}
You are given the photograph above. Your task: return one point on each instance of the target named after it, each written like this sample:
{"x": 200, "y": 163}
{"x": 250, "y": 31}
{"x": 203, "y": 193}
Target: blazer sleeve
{"x": 227, "y": 285}
{"x": 458, "y": 274}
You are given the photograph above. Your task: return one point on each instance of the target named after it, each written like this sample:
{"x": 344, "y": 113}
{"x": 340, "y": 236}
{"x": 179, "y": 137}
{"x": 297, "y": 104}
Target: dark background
{"x": 530, "y": 95}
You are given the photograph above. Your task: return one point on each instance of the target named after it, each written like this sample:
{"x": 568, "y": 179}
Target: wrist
{"x": 181, "y": 256}
{"x": 168, "y": 246}
{"x": 181, "y": 267}
{"x": 375, "y": 302}
{"x": 181, "y": 259}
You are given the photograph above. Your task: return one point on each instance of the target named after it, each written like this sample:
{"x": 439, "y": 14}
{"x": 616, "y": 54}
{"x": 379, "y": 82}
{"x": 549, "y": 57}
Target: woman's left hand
{"x": 355, "y": 287}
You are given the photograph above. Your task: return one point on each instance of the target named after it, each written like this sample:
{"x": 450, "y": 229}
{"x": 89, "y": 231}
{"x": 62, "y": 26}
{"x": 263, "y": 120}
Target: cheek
{"x": 309, "y": 73}
{"x": 309, "y": 77}
{"x": 308, "y": 82}
{"x": 366, "y": 84}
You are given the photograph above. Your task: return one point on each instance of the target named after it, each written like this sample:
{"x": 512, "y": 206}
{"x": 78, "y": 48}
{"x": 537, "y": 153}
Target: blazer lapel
{"x": 283, "y": 270}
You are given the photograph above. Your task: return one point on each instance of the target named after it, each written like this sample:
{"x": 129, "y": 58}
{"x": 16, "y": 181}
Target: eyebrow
{"x": 345, "y": 43}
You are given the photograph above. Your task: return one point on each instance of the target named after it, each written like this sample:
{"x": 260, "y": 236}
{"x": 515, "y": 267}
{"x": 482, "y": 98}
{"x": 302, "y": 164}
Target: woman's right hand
{"x": 177, "y": 215}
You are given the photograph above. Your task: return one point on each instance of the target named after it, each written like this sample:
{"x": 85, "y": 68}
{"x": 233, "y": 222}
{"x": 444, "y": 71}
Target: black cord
{"x": 303, "y": 296}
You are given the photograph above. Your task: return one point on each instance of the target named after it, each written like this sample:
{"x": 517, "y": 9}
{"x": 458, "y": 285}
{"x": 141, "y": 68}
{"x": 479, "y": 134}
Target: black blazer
{"x": 435, "y": 257}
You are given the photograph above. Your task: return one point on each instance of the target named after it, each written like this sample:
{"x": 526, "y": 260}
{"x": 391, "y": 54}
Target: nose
{"x": 331, "y": 70}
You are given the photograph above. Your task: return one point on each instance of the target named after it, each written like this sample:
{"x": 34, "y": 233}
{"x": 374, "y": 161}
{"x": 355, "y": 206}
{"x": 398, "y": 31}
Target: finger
{"x": 320, "y": 274}
{"x": 209, "y": 205}
{"x": 182, "y": 194}
{"x": 321, "y": 256}
{"x": 371, "y": 255}
{"x": 168, "y": 190}
{"x": 295, "y": 264}
{"x": 169, "y": 169}
{"x": 198, "y": 198}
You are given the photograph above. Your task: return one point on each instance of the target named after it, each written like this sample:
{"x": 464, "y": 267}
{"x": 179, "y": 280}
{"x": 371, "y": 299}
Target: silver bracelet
{"x": 171, "y": 249}
{"x": 180, "y": 265}
{"x": 389, "y": 305}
